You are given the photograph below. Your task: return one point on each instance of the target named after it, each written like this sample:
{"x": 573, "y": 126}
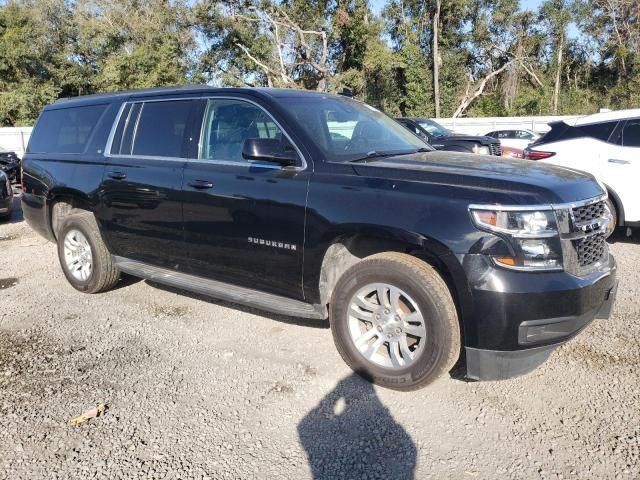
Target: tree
{"x": 556, "y": 14}
{"x": 135, "y": 44}
{"x": 265, "y": 44}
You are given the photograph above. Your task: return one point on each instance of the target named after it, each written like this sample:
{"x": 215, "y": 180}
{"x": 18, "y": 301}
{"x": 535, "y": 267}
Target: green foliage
{"x": 494, "y": 57}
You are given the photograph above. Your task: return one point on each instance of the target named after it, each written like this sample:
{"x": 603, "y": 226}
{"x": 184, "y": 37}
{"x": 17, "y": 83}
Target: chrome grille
{"x": 591, "y": 249}
{"x": 583, "y": 230}
{"x": 495, "y": 149}
{"x": 587, "y": 213}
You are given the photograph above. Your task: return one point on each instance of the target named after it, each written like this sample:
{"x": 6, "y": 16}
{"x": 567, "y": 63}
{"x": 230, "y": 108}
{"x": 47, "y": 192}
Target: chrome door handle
{"x": 117, "y": 175}
{"x": 617, "y": 161}
{"x": 201, "y": 184}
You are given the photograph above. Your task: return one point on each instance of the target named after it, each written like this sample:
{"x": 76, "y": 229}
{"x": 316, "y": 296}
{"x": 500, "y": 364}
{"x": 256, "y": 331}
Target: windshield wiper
{"x": 373, "y": 154}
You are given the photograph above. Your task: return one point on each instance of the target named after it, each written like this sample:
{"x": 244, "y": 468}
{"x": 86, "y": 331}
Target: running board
{"x": 223, "y": 291}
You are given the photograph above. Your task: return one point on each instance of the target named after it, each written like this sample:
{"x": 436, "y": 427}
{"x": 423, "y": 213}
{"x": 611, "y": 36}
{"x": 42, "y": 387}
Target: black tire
{"x": 423, "y": 283}
{"x": 104, "y": 274}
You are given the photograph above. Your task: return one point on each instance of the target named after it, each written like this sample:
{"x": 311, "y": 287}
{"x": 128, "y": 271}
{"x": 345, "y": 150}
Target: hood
{"x": 461, "y": 137}
{"x": 501, "y": 179}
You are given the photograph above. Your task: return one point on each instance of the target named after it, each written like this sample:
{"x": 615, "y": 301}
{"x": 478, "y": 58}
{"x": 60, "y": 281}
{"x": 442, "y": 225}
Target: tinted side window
{"x": 599, "y": 131}
{"x": 160, "y": 128}
{"x": 228, "y": 123}
{"x": 631, "y": 134}
{"x": 65, "y": 130}
{"x": 523, "y": 135}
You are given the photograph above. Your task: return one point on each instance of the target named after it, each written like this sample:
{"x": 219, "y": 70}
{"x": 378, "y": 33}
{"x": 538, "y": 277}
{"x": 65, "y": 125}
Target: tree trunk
{"x": 436, "y": 58}
{"x": 556, "y": 90}
{"x": 512, "y": 79}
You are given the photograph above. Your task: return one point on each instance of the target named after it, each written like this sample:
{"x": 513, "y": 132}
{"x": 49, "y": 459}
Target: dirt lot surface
{"x": 196, "y": 388}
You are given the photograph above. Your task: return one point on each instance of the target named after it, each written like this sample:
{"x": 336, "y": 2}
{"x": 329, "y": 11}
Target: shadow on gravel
{"x": 621, "y": 235}
{"x": 304, "y": 322}
{"x": 351, "y": 434}
{"x": 126, "y": 281}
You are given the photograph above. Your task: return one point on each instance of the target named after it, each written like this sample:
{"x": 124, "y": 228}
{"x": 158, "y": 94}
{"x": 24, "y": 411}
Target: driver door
{"x": 244, "y": 219}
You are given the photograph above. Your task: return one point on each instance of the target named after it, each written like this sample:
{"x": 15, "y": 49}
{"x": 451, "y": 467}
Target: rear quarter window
{"x": 65, "y": 130}
{"x": 631, "y": 134}
{"x": 160, "y": 128}
{"x": 599, "y": 131}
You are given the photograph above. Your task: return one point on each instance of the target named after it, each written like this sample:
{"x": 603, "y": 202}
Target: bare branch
{"x": 532, "y": 73}
{"x": 264, "y": 67}
{"x": 278, "y": 46}
{"x": 292, "y": 47}
{"x": 479, "y": 89}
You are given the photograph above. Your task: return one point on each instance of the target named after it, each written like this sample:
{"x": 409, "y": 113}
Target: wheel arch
{"x": 61, "y": 202}
{"x": 347, "y": 249}
{"x": 615, "y": 198}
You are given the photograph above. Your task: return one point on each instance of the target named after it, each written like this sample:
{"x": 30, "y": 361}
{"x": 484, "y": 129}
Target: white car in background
{"x": 515, "y": 138}
{"x": 607, "y": 145}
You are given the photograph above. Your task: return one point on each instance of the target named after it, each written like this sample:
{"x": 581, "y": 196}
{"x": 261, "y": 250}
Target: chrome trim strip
{"x": 108, "y": 153}
{"x": 149, "y": 157}
{"x": 135, "y": 128}
{"x": 107, "y": 148}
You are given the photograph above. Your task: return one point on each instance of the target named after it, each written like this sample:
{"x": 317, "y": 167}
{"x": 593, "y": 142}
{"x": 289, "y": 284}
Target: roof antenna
{"x": 346, "y": 92}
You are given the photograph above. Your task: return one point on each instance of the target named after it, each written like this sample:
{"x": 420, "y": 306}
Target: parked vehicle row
{"x": 6, "y": 196}
{"x": 10, "y": 164}
{"x": 606, "y": 145}
{"x": 321, "y": 206}
{"x": 442, "y": 138}
{"x": 515, "y": 138}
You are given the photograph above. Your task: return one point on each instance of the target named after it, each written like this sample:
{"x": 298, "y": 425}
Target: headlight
{"x": 480, "y": 150}
{"x": 532, "y": 235}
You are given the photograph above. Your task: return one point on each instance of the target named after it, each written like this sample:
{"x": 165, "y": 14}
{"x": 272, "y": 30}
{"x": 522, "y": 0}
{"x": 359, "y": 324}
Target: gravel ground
{"x": 197, "y": 388}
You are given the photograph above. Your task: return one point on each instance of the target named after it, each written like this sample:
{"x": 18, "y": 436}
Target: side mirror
{"x": 270, "y": 150}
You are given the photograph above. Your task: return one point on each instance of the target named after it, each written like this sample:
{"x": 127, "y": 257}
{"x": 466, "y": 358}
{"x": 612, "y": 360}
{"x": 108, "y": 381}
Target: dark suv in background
{"x": 442, "y": 138}
{"x": 6, "y": 196}
{"x": 320, "y": 206}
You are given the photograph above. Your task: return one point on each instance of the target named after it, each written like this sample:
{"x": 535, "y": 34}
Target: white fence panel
{"x": 480, "y": 126}
{"x": 15, "y": 139}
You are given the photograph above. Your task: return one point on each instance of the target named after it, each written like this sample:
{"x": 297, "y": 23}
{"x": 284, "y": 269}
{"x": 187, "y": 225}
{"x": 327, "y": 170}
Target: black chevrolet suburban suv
{"x": 320, "y": 206}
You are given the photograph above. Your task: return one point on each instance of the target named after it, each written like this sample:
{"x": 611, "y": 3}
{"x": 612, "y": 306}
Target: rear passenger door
{"x": 141, "y": 188}
{"x": 623, "y": 167}
{"x": 244, "y": 219}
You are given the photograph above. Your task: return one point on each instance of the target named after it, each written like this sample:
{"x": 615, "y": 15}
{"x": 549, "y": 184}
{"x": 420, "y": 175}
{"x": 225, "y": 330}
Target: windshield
{"x": 434, "y": 128}
{"x": 345, "y": 129}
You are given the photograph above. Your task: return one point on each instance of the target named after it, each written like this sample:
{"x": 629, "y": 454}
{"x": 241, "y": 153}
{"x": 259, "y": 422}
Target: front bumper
{"x": 519, "y": 318}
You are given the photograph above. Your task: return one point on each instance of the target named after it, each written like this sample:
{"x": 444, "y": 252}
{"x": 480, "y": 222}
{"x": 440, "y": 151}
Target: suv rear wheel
{"x": 84, "y": 258}
{"x": 394, "y": 321}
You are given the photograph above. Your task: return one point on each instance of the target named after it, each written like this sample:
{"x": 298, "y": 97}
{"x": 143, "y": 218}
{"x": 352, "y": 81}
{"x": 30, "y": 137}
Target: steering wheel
{"x": 356, "y": 143}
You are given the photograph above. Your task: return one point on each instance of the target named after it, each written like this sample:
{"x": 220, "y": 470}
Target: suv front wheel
{"x": 394, "y": 321}
{"x": 84, "y": 258}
